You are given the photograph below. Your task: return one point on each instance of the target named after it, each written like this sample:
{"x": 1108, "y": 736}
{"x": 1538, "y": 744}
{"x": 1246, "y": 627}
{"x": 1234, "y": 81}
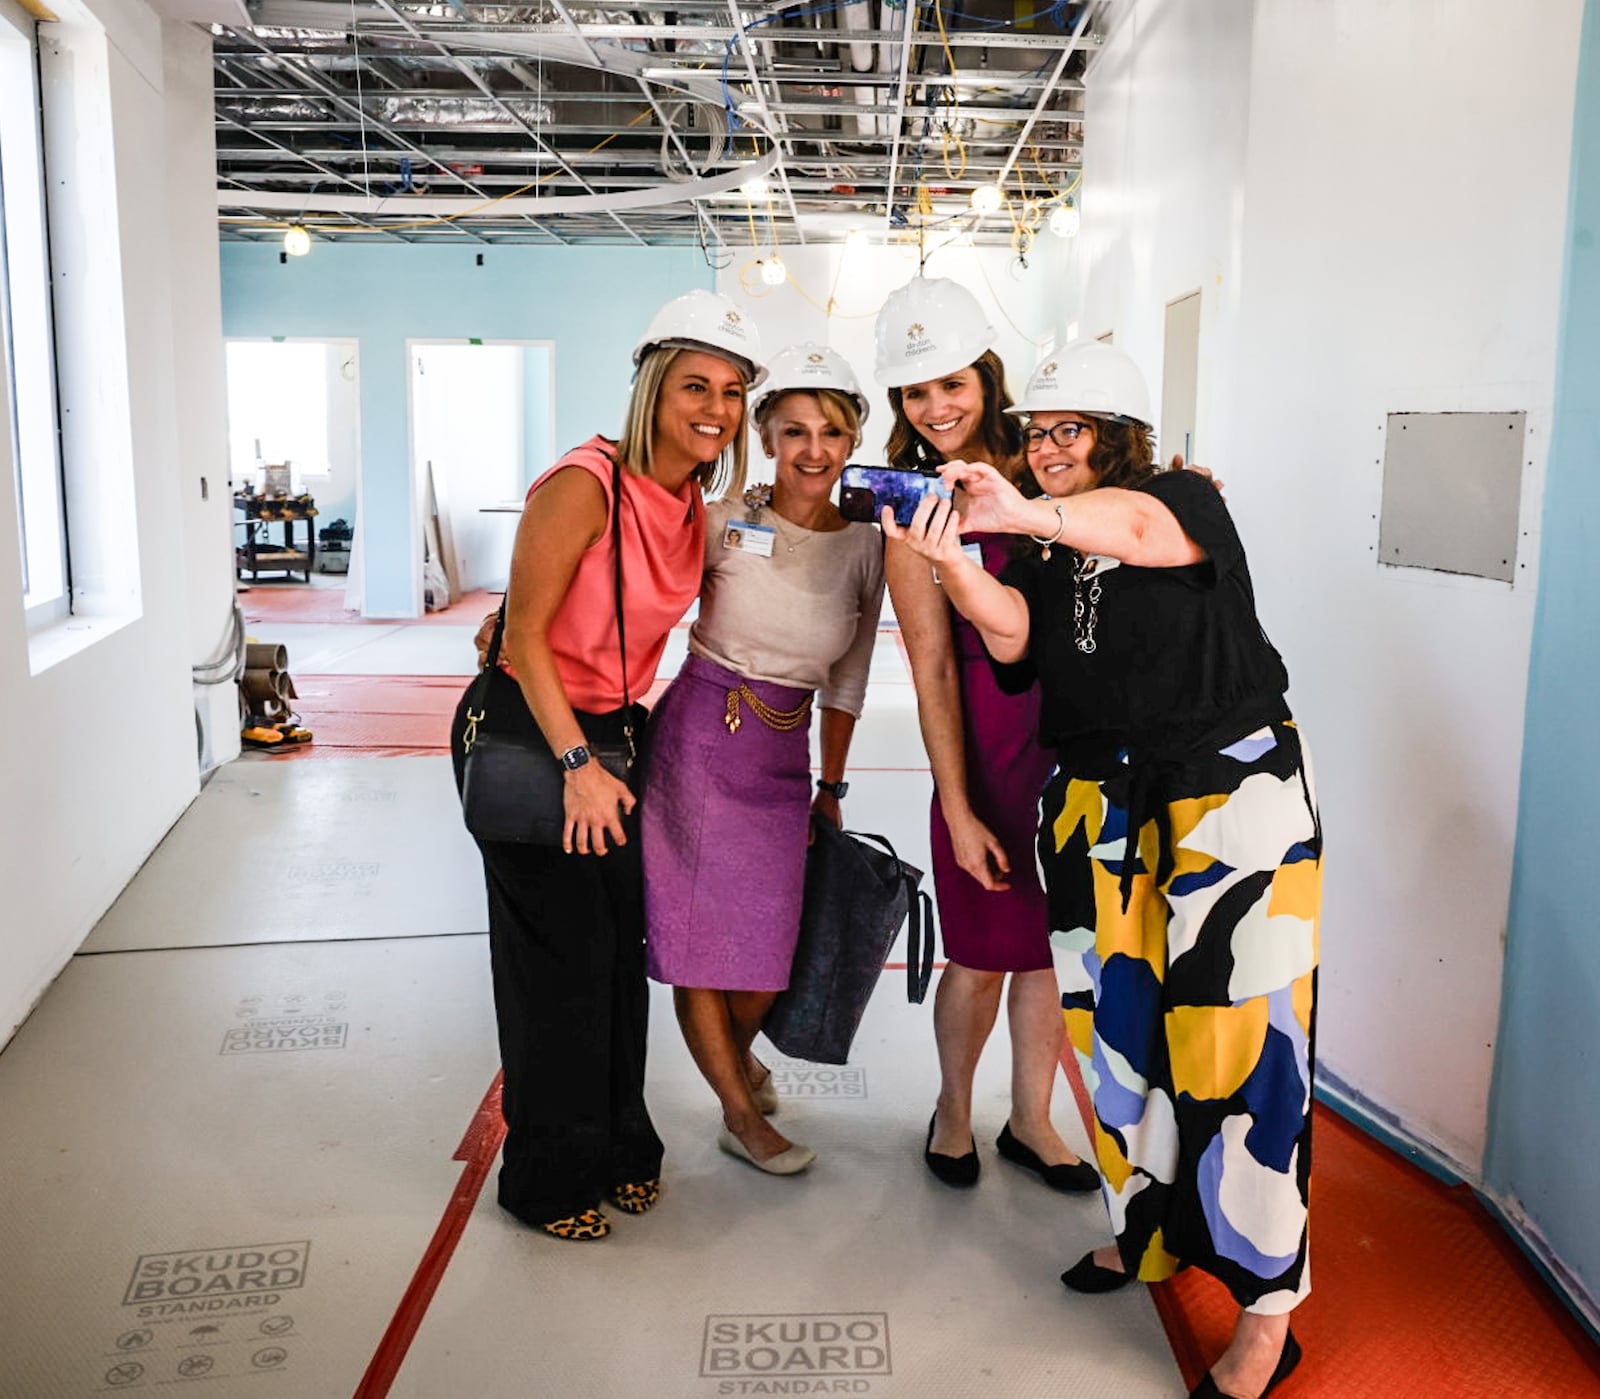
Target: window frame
{"x": 31, "y": 413}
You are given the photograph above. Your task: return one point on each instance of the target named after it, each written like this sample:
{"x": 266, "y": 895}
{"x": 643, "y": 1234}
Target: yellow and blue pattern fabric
{"x": 1189, "y": 998}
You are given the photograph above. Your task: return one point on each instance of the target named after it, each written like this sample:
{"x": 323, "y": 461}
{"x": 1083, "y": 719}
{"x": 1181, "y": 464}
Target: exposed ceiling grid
{"x": 560, "y": 123}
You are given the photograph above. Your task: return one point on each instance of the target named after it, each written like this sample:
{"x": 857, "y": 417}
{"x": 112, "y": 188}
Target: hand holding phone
{"x": 865, "y": 490}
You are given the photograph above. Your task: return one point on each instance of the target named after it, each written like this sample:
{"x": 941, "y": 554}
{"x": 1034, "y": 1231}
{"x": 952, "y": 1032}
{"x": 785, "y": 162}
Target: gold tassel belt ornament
{"x": 782, "y": 720}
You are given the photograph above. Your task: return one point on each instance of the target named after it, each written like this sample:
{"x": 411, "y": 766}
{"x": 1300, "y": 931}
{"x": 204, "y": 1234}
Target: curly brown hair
{"x": 1122, "y": 454}
{"x": 999, "y": 432}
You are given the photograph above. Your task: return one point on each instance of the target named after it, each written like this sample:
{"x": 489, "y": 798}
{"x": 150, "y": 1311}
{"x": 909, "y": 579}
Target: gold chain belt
{"x": 783, "y": 720}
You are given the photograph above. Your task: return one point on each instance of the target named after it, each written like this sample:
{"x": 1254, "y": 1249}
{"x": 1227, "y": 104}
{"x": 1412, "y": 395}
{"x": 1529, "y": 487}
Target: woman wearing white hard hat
{"x": 788, "y": 615}
{"x": 1193, "y": 1005}
{"x": 947, "y": 388}
{"x": 566, "y": 925}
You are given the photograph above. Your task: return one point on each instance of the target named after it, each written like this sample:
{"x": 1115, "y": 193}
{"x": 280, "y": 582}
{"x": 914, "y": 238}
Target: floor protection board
{"x": 285, "y": 852}
{"x": 864, "y": 1276}
{"x": 222, "y": 1164}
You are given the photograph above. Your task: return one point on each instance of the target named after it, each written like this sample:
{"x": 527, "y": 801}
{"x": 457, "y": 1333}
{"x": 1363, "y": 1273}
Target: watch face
{"x": 575, "y": 758}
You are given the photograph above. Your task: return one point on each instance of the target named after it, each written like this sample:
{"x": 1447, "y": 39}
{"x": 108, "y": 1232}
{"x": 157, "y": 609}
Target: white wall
{"x": 101, "y": 750}
{"x": 1318, "y": 171}
{"x": 857, "y": 280}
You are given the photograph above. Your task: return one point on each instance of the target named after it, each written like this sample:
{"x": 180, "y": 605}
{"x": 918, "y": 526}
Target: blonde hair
{"x": 838, "y": 408}
{"x": 725, "y": 476}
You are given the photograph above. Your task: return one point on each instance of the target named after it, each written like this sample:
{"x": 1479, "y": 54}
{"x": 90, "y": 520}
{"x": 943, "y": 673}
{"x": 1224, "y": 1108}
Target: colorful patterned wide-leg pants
{"x": 1190, "y": 1001}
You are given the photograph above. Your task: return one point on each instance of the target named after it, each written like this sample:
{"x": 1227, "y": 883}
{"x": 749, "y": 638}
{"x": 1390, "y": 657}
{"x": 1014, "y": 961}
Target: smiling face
{"x": 699, "y": 411}
{"x": 809, "y": 446}
{"x": 947, "y": 411}
{"x": 1061, "y": 470}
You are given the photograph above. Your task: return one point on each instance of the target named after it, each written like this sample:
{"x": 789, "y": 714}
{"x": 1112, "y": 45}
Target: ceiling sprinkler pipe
{"x": 857, "y": 15}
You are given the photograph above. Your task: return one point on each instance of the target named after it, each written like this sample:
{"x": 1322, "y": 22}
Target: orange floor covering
{"x": 1417, "y": 1293}
{"x": 290, "y": 601}
{"x": 374, "y": 716}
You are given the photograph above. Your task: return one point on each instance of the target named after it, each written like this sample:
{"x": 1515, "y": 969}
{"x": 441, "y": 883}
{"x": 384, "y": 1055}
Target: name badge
{"x": 750, "y": 538}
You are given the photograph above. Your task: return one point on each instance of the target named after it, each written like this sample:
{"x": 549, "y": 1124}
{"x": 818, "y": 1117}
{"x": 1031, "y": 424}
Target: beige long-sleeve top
{"x": 807, "y": 616}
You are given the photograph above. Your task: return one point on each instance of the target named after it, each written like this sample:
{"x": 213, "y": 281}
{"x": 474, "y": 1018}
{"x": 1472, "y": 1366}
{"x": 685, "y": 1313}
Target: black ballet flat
{"x": 1288, "y": 1358}
{"x": 1088, "y": 1276}
{"x": 1078, "y": 1179}
{"x": 952, "y": 1170}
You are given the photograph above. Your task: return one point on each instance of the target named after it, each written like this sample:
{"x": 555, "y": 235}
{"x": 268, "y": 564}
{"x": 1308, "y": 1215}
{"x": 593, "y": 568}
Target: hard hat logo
{"x": 1049, "y": 371}
{"x": 915, "y": 332}
{"x": 815, "y": 359}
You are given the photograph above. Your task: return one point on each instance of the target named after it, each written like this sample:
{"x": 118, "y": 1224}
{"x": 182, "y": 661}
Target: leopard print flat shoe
{"x": 635, "y": 1197}
{"x": 590, "y": 1224}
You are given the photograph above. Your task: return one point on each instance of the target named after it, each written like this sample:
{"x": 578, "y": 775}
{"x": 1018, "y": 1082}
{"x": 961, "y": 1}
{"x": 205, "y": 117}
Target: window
{"x": 28, "y": 419}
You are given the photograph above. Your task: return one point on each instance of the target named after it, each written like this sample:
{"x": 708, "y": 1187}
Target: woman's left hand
{"x": 824, "y": 807}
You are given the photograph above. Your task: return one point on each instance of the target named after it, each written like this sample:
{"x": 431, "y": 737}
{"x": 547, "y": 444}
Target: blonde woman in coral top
{"x": 566, "y": 925}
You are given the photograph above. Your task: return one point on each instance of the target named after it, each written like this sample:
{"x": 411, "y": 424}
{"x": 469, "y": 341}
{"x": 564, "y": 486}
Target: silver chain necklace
{"x": 1084, "y": 614}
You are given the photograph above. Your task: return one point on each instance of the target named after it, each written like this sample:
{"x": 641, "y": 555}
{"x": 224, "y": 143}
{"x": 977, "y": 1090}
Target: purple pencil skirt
{"x": 724, "y": 821}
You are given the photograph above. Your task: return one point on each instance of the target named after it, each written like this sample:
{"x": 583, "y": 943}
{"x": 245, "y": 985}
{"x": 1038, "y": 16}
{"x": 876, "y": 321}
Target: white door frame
{"x": 418, "y": 482}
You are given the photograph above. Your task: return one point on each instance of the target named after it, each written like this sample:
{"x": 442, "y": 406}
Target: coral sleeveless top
{"x": 663, "y": 552}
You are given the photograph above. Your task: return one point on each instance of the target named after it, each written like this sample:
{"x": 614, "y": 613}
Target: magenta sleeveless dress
{"x": 1006, "y": 771}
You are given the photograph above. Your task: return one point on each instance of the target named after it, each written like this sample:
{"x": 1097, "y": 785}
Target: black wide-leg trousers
{"x": 566, "y": 947}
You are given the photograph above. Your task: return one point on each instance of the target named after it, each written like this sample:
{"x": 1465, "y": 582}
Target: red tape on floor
{"x": 479, "y": 1146}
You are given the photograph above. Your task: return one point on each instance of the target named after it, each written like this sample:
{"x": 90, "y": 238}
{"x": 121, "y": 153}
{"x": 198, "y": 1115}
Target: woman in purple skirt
{"x": 947, "y": 388}
{"x": 788, "y": 615}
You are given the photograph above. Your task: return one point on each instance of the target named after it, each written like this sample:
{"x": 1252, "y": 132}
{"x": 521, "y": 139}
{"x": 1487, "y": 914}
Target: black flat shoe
{"x": 1078, "y": 1179}
{"x": 1288, "y": 1358}
{"x": 1088, "y": 1276}
{"x": 952, "y": 1170}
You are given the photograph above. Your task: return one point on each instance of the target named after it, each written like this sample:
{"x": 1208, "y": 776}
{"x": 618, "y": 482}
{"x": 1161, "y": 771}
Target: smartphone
{"x": 865, "y": 490}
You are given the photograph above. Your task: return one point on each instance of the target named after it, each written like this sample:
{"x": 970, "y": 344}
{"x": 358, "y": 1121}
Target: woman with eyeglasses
{"x": 1192, "y": 998}
{"x": 935, "y": 354}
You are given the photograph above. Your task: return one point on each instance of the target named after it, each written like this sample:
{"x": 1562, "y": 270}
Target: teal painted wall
{"x": 593, "y": 302}
{"x": 1544, "y": 1128}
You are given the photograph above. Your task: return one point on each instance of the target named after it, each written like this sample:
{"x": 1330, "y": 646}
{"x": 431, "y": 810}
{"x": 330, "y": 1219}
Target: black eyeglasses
{"x": 1062, "y": 434}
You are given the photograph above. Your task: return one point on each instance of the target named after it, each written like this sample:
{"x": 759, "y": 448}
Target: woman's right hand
{"x": 978, "y": 852}
{"x": 595, "y": 803}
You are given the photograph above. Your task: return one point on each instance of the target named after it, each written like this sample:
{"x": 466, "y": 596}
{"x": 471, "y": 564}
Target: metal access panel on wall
{"x": 1452, "y": 487}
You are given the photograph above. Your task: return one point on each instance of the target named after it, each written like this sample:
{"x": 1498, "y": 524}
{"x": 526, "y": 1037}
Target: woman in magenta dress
{"x": 947, "y": 389}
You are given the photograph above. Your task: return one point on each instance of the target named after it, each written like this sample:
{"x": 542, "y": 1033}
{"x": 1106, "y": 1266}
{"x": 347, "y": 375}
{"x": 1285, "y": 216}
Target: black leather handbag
{"x": 513, "y": 786}
{"x": 856, "y": 898}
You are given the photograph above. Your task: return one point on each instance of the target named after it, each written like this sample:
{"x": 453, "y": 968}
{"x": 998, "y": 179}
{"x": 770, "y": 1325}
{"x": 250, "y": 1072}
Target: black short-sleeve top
{"x": 1178, "y": 658}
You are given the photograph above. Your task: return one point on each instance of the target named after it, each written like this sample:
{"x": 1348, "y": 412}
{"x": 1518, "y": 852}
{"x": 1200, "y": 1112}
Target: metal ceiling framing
{"x": 395, "y": 99}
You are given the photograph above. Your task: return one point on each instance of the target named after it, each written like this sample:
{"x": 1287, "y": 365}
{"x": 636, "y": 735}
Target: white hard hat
{"x": 707, "y": 320}
{"x": 809, "y": 366}
{"x": 929, "y": 327}
{"x": 1089, "y": 377}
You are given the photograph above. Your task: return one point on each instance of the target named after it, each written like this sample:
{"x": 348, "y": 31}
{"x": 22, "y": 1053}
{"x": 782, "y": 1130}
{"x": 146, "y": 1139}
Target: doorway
{"x": 294, "y": 407}
{"x": 482, "y": 430}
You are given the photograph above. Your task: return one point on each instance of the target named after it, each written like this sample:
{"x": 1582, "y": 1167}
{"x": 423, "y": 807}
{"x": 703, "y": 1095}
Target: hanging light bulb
{"x": 755, "y": 187}
{"x": 773, "y": 272}
{"x": 986, "y": 199}
{"x": 1064, "y": 221}
{"x": 297, "y": 242}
